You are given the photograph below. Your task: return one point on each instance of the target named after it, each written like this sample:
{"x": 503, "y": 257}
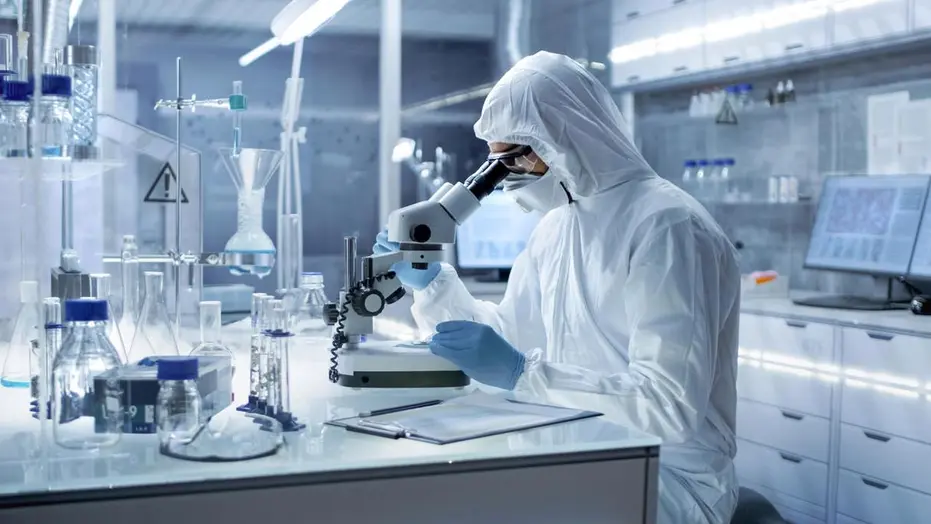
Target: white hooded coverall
{"x": 625, "y": 301}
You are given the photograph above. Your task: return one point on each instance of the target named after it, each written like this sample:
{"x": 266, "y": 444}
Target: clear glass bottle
{"x": 689, "y": 172}
{"x": 82, "y": 416}
{"x": 54, "y": 118}
{"x": 100, "y": 289}
{"x": 21, "y": 364}
{"x": 179, "y": 409}
{"x": 210, "y": 329}
{"x": 310, "y": 320}
{"x": 258, "y": 306}
{"x": 14, "y": 113}
{"x": 154, "y": 334}
{"x": 82, "y": 64}
{"x": 701, "y": 175}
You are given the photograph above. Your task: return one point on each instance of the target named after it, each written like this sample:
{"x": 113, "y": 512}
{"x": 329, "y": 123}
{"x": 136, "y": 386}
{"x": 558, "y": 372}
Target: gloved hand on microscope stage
{"x": 480, "y": 352}
{"x": 410, "y": 277}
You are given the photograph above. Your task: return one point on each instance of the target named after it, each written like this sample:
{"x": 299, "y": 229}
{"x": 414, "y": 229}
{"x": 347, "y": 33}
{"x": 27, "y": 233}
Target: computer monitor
{"x": 920, "y": 268}
{"x": 494, "y": 235}
{"x": 869, "y": 225}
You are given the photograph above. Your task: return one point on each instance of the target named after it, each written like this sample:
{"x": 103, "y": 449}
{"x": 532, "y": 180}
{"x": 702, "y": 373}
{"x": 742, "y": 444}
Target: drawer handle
{"x": 730, "y": 59}
{"x": 633, "y": 14}
{"x": 680, "y": 69}
{"x": 796, "y": 324}
{"x": 790, "y": 458}
{"x": 880, "y": 336}
{"x": 876, "y": 436}
{"x": 677, "y": 2}
{"x": 873, "y": 483}
{"x": 793, "y": 47}
{"x": 792, "y": 416}
{"x": 633, "y": 78}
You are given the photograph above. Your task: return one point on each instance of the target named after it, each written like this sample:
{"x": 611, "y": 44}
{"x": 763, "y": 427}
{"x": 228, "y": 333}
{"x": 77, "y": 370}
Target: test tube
{"x": 237, "y": 105}
{"x": 254, "y": 347}
{"x": 278, "y": 337}
{"x": 265, "y": 369}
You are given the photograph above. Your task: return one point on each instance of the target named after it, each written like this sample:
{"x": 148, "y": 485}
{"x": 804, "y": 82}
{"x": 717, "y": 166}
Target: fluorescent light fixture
{"x": 73, "y": 10}
{"x": 403, "y": 150}
{"x": 302, "y": 18}
{"x": 258, "y": 52}
{"x": 728, "y": 29}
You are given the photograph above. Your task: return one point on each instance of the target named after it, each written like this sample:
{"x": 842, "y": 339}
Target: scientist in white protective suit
{"x": 626, "y": 299}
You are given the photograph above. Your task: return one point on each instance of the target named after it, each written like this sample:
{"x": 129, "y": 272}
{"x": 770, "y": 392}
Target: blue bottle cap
{"x": 729, "y": 161}
{"x": 86, "y": 310}
{"x": 17, "y": 91}
{"x": 56, "y": 85}
{"x": 719, "y": 162}
{"x": 177, "y": 368}
{"x": 691, "y": 163}
{"x": 703, "y": 163}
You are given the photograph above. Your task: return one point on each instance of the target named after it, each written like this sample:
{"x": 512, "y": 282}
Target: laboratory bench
{"x": 833, "y": 412}
{"x": 579, "y": 472}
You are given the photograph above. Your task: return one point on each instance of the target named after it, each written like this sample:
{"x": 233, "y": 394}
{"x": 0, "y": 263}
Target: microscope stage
{"x": 397, "y": 365}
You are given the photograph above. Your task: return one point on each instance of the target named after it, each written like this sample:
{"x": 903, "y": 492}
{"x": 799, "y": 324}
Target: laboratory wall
{"x": 339, "y": 161}
{"x": 867, "y": 115}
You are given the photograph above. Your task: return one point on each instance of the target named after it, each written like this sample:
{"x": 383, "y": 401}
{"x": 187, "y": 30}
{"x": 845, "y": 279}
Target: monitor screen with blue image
{"x": 495, "y": 234}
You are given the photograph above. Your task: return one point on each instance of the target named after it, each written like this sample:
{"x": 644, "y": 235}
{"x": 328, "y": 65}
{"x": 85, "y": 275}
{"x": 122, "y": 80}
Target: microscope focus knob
{"x": 330, "y": 313}
{"x": 369, "y": 303}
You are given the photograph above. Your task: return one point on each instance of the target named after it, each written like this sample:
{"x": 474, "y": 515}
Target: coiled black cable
{"x": 339, "y": 335}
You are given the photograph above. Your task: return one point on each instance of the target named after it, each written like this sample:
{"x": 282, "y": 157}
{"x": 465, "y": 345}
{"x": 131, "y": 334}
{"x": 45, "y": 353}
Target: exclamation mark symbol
{"x": 167, "y": 177}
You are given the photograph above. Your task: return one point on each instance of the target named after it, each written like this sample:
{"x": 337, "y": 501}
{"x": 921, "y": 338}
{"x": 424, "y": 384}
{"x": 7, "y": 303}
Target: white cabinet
{"x": 788, "y": 387}
{"x": 677, "y": 52}
{"x": 625, "y": 10}
{"x": 799, "y": 434}
{"x": 922, "y": 16}
{"x": 782, "y": 471}
{"x": 800, "y": 26}
{"x": 886, "y": 457}
{"x": 877, "y": 502}
{"x": 885, "y": 18}
{"x": 722, "y": 47}
{"x": 787, "y": 341}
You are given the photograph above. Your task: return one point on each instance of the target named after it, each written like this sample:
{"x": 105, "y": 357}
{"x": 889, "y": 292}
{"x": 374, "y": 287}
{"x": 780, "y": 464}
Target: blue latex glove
{"x": 410, "y": 277}
{"x": 480, "y": 352}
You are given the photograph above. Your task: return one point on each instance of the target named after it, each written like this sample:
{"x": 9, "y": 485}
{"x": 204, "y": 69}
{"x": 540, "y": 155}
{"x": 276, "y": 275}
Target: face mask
{"x": 536, "y": 193}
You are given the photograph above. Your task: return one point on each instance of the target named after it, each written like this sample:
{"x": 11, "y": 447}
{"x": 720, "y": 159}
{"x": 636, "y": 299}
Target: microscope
{"x": 422, "y": 230}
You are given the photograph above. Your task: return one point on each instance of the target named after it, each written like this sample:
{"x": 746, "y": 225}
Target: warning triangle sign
{"x": 165, "y": 188}
{"x": 726, "y": 115}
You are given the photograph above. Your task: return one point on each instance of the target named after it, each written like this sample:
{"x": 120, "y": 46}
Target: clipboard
{"x": 463, "y": 418}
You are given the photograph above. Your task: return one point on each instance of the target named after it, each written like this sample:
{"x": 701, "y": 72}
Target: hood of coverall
{"x": 552, "y": 104}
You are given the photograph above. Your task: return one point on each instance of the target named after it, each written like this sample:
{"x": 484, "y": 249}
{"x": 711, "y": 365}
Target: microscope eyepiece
{"x": 484, "y": 181}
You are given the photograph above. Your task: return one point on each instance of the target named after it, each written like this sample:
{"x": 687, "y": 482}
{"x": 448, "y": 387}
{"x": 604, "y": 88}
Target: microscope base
{"x": 397, "y": 365}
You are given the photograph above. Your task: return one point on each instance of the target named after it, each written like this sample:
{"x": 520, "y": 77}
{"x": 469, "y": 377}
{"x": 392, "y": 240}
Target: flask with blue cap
{"x": 179, "y": 403}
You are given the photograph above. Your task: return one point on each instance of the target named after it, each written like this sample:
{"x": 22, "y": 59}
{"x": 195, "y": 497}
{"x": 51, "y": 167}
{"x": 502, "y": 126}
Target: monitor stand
{"x": 858, "y": 302}
{"x": 497, "y": 275}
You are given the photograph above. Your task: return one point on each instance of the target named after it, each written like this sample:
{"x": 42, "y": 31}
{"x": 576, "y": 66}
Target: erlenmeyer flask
{"x": 210, "y": 345}
{"x": 100, "y": 289}
{"x": 154, "y": 335}
{"x": 130, "y": 304}
{"x": 21, "y": 361}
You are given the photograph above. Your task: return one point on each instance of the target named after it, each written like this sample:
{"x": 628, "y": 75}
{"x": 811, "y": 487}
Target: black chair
{"x": 753, "y": 508}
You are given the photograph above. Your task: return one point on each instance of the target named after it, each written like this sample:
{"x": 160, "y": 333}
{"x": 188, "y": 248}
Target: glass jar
{"x": 311, "y": 322}
{"x": 179, "y": 403}
{"x": 86, "y": 409}
{"x": 54, "y": 116}
{"x": 14, "y": 113}
{"x": 83, "y": 69}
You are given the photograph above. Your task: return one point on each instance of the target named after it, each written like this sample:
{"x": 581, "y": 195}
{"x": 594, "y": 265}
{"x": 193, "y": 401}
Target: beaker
{"x": 100, "y": 289}
{"x": 210, "y": 345}
{"x": 250, "y": 250}
{"x": 154, "y": 335}
{"x": 21, "y": 363}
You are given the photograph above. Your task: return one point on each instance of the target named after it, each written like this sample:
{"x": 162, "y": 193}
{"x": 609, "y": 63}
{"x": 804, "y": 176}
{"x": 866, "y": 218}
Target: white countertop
{"x": 899, "y": 321}
{"x": 28, "y": 466}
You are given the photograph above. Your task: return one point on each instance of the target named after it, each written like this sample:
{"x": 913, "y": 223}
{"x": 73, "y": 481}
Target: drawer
{"x": 888, "y": 358}
{"x": 877, "y": 502}
{"x": 794, "y": 517}
{"x": 895, "y": 411}
{"x": 788, "y": 502}
{"x": 797, "y": 390}
{"x": 807, "y": 341}
{"x": 844, "y": 519}
{"x": 799, "y": 477}
{"x": 895, "y": 459}
{"x": 798, "y": 433}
